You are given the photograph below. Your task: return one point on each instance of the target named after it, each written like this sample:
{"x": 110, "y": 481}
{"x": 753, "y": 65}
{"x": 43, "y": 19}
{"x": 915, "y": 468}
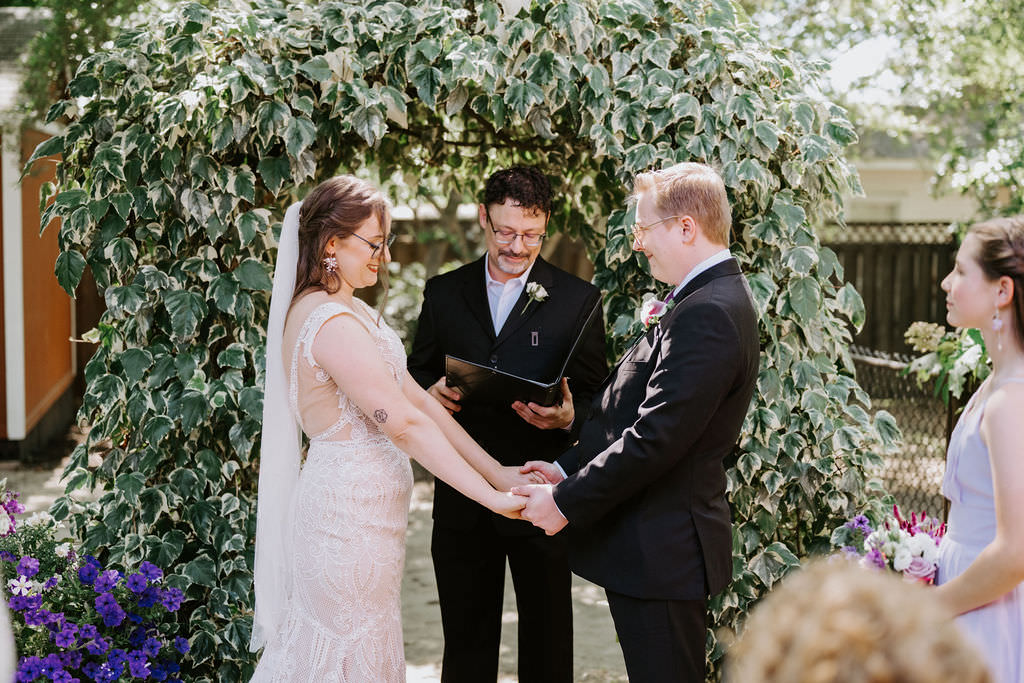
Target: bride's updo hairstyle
{"x": 334, "y": 208}
{"x": 1001, "y": 253}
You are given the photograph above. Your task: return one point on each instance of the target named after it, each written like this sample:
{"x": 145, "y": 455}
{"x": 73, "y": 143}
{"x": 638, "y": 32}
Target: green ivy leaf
{"x": 252, "y": 274}
{"x": 298, "y": 135}
{"x": 130, "y": 485}
{"x": 69, "y": 268}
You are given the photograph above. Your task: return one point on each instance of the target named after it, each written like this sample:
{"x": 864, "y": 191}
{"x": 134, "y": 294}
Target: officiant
{"x": 513, "y": 311}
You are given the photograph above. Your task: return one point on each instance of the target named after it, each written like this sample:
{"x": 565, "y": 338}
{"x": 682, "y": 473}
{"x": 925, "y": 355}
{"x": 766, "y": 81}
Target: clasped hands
{"x": 535, "y": 481}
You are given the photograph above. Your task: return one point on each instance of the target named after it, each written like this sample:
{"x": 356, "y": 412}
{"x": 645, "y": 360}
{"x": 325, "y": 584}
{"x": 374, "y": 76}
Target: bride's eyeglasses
{"x": 388, "y": 241}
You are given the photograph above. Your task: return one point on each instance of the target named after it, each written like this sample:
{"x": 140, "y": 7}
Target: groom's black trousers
{"x": 662, "y": 640}
{"x": 469, "y": 565}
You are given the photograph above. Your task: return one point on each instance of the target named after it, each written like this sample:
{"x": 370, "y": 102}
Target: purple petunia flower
{"x": 152, "y": 646}
{"x": 87, "y": 574}
{"x": 106, "y": 581}
{"x": 181, "y": 645}
{"x": 88, "y": 632}
{"x": 172, "y": 599}
{"x": 139, "y": 669}
{"x": 51, "y": 665}
{"x": 136, "y": 583}
{"x": 151, "y": 571}
{"x": 117, "y": 656}
{"x": 149, "y": 597}
{"x": 105, "y": 602}
{"x": 7, "y": 556}
{"x": 28, "y": 567}
{"x": 62, "y": 676}
{"x": 51, "y": 582}
{"x": 64, "y": 638}
{"x": 71, "y": 659}
{"x": 98, "y": 646}
{"x": 158, "y": 672}
{"x": 30, "y": 668}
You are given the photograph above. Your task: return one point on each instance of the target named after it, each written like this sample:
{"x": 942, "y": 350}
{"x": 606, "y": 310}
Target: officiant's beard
{"x": 513, "y": 266}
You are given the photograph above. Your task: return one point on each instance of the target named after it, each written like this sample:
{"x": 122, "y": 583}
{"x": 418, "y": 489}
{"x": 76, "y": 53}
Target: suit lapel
{"x": 729, "y": 267}
{"x": 542, "y": 275}
{"x": 474, "y": 290}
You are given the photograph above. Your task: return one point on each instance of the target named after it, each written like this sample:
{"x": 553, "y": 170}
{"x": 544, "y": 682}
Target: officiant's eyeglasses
{"x": 638, "y": 230}
{"x": 509, "y": 236}
{"x": 388, "y": 241}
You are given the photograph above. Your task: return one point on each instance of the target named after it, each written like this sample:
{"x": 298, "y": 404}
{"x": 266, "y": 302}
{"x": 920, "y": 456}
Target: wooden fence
{"x": 897, "y": 269}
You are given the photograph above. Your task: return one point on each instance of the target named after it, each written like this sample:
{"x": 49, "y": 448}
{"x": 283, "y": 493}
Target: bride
{"x": 330, "y": 539}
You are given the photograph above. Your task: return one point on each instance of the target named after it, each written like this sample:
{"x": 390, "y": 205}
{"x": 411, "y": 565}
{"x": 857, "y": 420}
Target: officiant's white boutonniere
{"x": 652, "y": 310}
{"x": 536, "y": 292}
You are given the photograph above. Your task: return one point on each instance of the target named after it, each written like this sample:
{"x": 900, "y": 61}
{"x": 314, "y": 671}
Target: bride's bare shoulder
{"x": 304, "y": 305}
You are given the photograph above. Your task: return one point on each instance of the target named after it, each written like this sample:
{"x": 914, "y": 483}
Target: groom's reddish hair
{"x": 690, "y": 189}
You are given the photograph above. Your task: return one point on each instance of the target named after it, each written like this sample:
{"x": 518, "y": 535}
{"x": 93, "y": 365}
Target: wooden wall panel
{"x": 48, "y": 366}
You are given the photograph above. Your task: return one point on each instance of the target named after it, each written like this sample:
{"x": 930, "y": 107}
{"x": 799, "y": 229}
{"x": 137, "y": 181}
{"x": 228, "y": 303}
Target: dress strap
{"x": 316, "y": 319}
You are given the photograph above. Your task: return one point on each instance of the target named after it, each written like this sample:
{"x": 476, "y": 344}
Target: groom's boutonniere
{"x": 653, "y": 310}
{"x": 536, "y": 292}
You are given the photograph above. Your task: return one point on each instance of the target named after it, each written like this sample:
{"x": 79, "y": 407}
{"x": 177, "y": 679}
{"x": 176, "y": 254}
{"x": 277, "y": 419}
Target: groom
{"x": 642, "y": 494}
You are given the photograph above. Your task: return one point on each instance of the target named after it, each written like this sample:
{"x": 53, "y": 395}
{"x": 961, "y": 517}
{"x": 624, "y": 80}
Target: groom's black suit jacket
{"x": 456, "y": 320}
{"x": 645, "y": 499}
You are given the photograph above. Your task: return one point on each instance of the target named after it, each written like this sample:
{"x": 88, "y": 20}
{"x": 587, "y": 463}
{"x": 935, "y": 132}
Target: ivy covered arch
{"x": 188, "y": 136}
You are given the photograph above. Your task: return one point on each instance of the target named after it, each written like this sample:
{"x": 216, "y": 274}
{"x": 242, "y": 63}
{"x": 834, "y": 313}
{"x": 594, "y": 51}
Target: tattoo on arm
{"x": 380, "y": 415}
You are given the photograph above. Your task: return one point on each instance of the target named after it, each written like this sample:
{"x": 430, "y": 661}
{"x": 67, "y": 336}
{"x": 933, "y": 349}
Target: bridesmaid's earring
{"x": 331, "y": 264}
{"x": 997, "y": 327}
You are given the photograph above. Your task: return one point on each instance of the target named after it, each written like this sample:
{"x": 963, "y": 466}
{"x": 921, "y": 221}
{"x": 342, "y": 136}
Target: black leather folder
{"x": 485, "y": 384}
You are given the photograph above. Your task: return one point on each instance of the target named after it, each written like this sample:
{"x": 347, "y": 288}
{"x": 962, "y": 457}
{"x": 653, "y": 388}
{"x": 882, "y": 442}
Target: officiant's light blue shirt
{"x": 502, "y": 296}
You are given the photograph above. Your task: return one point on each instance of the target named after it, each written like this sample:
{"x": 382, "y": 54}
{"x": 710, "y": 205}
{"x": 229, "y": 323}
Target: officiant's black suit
{"x": 456, "y": 320}
{"x": 645, "y": 497}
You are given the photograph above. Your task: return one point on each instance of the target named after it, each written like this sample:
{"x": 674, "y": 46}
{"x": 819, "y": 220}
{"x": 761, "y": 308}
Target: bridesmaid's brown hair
{"x": 1002, "y": 254}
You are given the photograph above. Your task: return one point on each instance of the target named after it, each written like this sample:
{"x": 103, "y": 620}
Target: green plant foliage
{"x": 189, "y": 135}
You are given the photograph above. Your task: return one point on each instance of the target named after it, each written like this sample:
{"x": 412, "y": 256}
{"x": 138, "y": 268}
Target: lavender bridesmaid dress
{"x": 997, "y": 629}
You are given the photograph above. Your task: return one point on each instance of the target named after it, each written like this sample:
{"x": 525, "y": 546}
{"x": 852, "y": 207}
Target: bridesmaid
{"x": 981, "y": 559}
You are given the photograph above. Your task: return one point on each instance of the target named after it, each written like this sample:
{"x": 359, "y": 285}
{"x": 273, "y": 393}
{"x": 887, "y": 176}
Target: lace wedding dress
{"x": 348, "y": 527}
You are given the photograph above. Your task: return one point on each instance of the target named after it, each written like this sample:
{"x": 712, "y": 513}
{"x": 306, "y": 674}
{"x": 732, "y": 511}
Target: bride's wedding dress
{"x": 348, "y": 521}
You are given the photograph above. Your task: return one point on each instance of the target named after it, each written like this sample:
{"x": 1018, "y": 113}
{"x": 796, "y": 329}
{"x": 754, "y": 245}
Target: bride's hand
{"x": 512, "y": 475}
{"x": 508, "y": 504}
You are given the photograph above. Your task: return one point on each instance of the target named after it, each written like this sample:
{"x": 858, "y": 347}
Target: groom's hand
{"x": 551, "y": 417}
{"x": 541, "y": 508}
{"x": 548, "y": 470}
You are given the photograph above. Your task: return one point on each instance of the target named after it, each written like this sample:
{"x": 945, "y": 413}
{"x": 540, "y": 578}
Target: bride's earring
{"x": 997, "y": 327}
{"x": 331, "y": 264}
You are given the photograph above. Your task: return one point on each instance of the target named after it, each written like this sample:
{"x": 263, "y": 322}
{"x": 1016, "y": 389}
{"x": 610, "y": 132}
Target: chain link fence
{"x": 914, "y": 474}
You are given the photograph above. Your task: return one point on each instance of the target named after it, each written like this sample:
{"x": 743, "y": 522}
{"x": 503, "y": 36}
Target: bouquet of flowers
{"x": 74, "y": 621}
{"x": 907, "y": 546}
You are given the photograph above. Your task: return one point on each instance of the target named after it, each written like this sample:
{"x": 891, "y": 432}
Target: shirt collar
{"x": 706, "y": 264}
{"x": 519, "y": 281}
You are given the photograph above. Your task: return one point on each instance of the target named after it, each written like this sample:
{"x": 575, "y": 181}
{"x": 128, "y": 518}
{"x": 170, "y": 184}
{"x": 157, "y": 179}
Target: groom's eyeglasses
{"x": 638, "y": 230}
{"x": 388, "y": 241}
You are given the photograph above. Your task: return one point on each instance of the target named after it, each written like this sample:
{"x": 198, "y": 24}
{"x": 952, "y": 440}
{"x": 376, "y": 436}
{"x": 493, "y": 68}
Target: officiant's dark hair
{"x": 524, "y": 186}
{"x": 335, "y": 208}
